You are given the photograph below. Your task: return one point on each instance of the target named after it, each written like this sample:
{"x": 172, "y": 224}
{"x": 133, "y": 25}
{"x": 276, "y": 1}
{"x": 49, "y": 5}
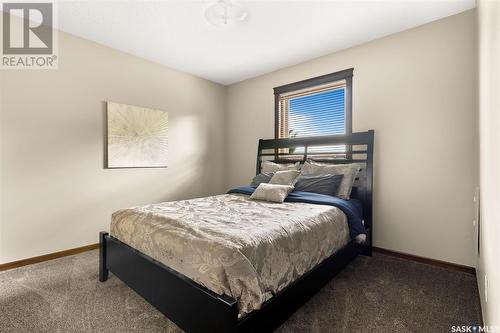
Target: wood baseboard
{"x": 60, "y": 254}
{"x": 50, "y": 256}
{"x": 428, "y": 261}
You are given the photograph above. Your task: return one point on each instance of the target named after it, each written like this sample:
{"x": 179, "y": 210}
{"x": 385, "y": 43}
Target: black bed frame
{"x": 193, "y": 307}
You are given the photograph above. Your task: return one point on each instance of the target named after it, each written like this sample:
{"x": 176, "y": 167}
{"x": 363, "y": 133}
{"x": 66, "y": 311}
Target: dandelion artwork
{"x": 137, "y": 137}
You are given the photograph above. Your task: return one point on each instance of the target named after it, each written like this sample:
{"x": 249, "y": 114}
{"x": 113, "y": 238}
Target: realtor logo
{"x": 28, "y": 36}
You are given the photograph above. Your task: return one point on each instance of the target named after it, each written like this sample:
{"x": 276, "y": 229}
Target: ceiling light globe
{"x": 224, "y": 13}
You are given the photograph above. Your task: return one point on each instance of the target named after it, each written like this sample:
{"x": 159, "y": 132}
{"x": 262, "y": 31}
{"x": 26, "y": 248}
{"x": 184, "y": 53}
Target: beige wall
{"x": 55, "y": 193}
{"x": 489, "y": 32}
{"x": 418, "y": 90}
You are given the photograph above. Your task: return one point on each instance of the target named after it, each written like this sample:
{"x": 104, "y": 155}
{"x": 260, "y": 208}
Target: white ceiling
{"x": 276, "y": 33}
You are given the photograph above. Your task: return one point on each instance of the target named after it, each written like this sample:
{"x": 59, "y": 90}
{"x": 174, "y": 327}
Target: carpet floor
{"x": 377, "y": 294}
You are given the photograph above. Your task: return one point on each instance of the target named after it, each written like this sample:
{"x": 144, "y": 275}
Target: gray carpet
{"x": 378, "y": 294}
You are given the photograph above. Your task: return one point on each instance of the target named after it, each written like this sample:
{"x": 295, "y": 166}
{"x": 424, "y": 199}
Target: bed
{"x": 226, "y": 263}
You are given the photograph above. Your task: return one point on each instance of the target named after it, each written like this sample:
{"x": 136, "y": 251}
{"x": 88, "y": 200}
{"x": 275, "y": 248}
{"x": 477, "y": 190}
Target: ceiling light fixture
{"x": 223, "y": 13}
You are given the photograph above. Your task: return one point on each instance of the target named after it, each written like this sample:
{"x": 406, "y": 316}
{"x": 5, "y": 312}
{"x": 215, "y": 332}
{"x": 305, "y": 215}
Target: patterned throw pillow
{"x": 271, "y": 192}
{"x": 288, "y": 177}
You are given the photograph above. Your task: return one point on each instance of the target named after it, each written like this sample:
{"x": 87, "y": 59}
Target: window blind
{"x": 315, "y": 111}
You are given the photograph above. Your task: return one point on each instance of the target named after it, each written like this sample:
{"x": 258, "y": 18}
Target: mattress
{"x": 247, "y": 249}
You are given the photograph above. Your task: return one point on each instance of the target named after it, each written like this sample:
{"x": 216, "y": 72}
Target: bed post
{"x": 367, "y": 251}
{"x": 259, "y": 156}
{"x": 103, "y": 270}
{"x": 369, "y": 193}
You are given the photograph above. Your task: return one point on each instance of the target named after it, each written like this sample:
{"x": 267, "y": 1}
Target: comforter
{"x": 247, "y": 249}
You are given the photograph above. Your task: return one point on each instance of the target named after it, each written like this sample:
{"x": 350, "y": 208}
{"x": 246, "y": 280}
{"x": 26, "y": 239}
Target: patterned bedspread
{"x": 232, "y": 245}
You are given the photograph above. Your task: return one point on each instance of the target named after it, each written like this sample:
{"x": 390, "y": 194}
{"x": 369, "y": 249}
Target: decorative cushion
{"x": 261, "y": 178}
{"x": 271, "y": 192}
{"x": 322, "y": 184}
{"x": 288, "y": 177}
{"x": 350, "y": 171}
{"x": 268, "y": 166}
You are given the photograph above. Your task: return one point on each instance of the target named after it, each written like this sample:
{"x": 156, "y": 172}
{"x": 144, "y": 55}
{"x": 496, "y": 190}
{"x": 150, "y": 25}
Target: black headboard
{"x": 337, "y": 149}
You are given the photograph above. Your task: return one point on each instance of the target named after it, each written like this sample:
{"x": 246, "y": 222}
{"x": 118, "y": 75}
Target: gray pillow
{"x": 322, "y": 184}
{"x": 261, "y": 178}
{"x": 271, "y": 192}
{"x": 288, "y": 177}
{"x": 350, "y": 171}
{"x": 268, "y": 166}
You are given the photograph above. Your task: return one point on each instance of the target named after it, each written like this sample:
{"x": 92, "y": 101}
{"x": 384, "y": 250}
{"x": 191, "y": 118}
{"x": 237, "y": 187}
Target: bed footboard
{"x": 189, "y": 305}
{"x": 197, "y": 309}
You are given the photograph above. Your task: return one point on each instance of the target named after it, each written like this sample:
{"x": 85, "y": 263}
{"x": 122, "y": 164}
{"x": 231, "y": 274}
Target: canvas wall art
{"x": 137, "y": 137}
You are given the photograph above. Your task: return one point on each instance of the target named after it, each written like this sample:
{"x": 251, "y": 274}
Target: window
{"x": 314, "y": 107}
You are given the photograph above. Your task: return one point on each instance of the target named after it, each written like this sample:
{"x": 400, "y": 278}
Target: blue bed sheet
{"x": 352, "y": 208}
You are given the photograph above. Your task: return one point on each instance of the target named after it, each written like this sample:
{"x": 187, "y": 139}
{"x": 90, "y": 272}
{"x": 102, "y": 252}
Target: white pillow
{"x": 268, "y": 166}
{"x": 288, "y": 177}
{"x": 271, "y": 192}
{"x": 350, "y": 171}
